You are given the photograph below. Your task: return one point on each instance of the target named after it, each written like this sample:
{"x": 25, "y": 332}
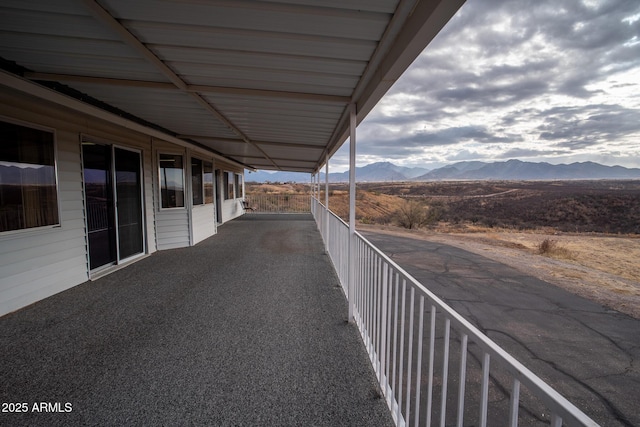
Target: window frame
{"x": 56, "y": 176}
{"x": 239, "y": 185}
{"x": 212, "y": 183}
{"x": 201, "y": 182}
{"x": 184, "y": 189}
{"x": 229, "y": 185}
{"x": 205, "y": 163}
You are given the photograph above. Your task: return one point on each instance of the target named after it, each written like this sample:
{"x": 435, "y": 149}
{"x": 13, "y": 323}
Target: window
{"x": 238, "y": 186}
{"x": 228, "y": 186}
{"x": 196, "y": 182}
{"x": 201, "y": 182}
{"x": 28, "y": 190}
{"x": 171, "y": 181}
{"x": 208, "y": 182}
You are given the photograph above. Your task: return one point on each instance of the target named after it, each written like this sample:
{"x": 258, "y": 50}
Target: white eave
{"x": 266, "y": 84}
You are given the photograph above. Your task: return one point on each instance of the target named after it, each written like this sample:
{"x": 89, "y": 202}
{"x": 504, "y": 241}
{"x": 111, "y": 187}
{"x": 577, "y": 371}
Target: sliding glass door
{"x": 113, "y": 191}
{"x": 98, "y": 190}
{"x": 129, "y": 202}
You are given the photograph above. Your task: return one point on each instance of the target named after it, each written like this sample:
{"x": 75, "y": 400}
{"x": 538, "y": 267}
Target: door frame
{"x": 143, "y": 224}
{"x": 103, "y": 269}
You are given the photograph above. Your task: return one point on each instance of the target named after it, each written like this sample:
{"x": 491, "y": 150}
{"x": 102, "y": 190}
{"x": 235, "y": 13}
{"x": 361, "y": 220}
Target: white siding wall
{"x": 231, "y": 208}
{"x": 149, "y": 191}
{"x": 172, "y": 228}
{"x": 204, "y": 223}
{"x": 37, "y": 263}
{"x": 203, "y": 217}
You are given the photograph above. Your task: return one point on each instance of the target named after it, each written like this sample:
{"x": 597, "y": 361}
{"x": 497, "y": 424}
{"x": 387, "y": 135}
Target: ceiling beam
{"x": 239, "y": 141}
{"x": 105, "y": 17}
{"x": 402, "y": 43}
{"x": 300, "y": 96}
{"x": 279, "y": 159}
{"x": 372, "y": 12}
{"x": 28, "y": 87}
{"x": 74, "y": 78}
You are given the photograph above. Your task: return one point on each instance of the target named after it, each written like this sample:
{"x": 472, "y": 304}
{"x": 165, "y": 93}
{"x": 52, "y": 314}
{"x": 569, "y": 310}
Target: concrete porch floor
{"x": 246, "y": 328}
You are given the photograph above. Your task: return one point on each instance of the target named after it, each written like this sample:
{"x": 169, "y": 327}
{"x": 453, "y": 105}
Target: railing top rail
{"x": 554, "y": 400}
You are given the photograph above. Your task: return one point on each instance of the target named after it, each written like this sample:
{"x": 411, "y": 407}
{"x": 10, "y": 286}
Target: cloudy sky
{"x": 535, "y": 80}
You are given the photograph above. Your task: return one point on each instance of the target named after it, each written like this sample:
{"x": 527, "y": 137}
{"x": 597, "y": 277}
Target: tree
{"x": 413, "y": 214}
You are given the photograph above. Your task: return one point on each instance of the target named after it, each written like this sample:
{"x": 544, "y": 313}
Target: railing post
{"x": 326, "y": 200}
{"x": 313, "y": 211}
{"x": 352, "y": 208}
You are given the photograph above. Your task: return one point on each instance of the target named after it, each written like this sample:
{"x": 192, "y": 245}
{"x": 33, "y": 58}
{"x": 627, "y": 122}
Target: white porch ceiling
{"x": 264, "y": 83}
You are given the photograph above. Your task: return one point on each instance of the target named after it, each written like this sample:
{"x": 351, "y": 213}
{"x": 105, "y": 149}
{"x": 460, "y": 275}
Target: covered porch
{"x": 246, "y": 328}
{"x": 249, "y": 327}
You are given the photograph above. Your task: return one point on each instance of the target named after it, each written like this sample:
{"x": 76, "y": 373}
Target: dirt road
{"x": 604, "y": 269}
{"x": 585, "y": 351}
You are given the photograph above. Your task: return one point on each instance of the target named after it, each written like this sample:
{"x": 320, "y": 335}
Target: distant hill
{"x": 510, "y": 170}
{"x": 379, "y": 172}
{"x": 265, "y": 176}
{"x": 519, "y": 170}
{"x": 374, "y": 172}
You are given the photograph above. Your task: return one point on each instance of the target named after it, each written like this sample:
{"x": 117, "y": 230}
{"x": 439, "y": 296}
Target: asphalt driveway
{"x": 587, "y": 352}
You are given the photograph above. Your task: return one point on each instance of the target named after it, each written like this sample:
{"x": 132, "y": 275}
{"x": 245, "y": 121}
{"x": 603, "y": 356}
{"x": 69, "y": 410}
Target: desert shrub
{"x": 552, "y": 248}
{"x": 366, "y": 220}
{"x": 412, "y": 214}
{"x": 547, "y": 246}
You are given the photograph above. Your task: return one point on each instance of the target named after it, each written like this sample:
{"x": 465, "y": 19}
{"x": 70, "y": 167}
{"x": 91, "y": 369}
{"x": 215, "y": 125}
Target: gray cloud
{"x": 537, "y": 73}
{"x": 494, "y": 95}
{"x": 525, "y": 153}
{"x": 456, "y": 135}
{"x": 580, "y": 127}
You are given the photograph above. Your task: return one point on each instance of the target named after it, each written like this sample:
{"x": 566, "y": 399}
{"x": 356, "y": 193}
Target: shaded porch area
{"x": 248, "y": 327}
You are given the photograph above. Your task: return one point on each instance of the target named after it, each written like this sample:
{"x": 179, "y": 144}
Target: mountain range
{"x": 515, "y": 170}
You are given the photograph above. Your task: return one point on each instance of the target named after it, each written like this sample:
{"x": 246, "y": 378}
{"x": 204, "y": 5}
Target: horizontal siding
{"x": 69, "y": 181}
{"x": 37, "y": 240}
{"x": 40, "y": 262}
{"x": 30, "y": 280}
{"x": 11, "y": 258}
{"x": 172, "y": 244}
{"x": 149, "y": 185}
{"x": 231, "y": 209}
{"x": 172, "y": 229}
{"x": 204, "y": 226}
{"x": 35, "y": 264}
{"x": 71, "y": 215}
{"x": 40, "y": 291}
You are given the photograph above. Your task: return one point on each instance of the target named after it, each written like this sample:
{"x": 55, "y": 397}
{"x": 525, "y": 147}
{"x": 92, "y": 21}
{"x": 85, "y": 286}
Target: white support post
{"x": 352, "y": 209}
{"x": 312, "y": 191}
{"x": 326, "y": 201}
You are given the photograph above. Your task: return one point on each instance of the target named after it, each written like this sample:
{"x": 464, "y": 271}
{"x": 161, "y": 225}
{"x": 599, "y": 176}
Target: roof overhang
{"x": 264, "y": 84}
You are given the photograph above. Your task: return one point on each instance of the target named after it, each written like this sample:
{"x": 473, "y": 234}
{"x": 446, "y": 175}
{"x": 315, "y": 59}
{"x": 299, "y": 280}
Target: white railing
{"x": 278, "y": 203}
{"x": 434, "y": 366}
